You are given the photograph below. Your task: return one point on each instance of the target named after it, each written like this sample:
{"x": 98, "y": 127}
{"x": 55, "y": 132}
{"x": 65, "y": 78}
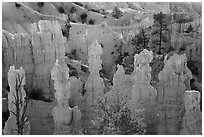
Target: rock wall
{"x": 36, "y": 53}
{"x": 16, "y": 51}
{"x": 174, "y": 79}
{"x": 192, "y": 120}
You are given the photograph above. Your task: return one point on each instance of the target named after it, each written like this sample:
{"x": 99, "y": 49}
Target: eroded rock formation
{"x": 16, "y": 123}
{"x": 143, "y": 95}
{"x": 36, "y": 53}
{"x": 94, "y": 85}
{"x": 62, "y": 113}
{"x": 173, "y": 81}
{"x": 192, "y": 120}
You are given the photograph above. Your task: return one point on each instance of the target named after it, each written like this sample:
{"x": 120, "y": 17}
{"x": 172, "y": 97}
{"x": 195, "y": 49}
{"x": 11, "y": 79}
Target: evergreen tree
{"x": 117, "y": 13}
{"x": 189, "y": 29}
{"x": 160, "y": 28}
{"x": 141, "y": 40}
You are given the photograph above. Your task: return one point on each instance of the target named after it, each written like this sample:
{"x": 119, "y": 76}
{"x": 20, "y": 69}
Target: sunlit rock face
{"x": 62, "y": 113}
{"x": 16, "y": 97}
{"x": 35, "y": 52}
{"x": 15, "y": 51}
{"x": 143, "y": 95}
{"x": 141, "y": 75}
{"x": 192, "y": 120}
{"x": 48, "y": 45}
{"x": 94, "y": 85}
{"x": 174, "y": 79}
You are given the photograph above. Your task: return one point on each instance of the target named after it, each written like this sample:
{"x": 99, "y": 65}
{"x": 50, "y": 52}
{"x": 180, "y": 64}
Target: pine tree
{"x": 117, "y": 13}
{"x": 141, "y": 40}
{"x": 160, "y": 27}
{"x": 189, "y": 29}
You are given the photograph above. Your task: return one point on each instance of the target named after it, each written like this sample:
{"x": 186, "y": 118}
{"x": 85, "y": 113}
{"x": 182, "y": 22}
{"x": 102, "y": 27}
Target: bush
{"x": 130, "y": 123}
{"x": 117, "y": 13}
{"x": 117, "y": 120}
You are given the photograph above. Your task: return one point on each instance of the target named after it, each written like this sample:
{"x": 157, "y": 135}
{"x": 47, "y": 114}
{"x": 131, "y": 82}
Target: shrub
{"x": 83, "y": 17}
{"x": 117, "y": 13}
{"x": 118, "y": 119}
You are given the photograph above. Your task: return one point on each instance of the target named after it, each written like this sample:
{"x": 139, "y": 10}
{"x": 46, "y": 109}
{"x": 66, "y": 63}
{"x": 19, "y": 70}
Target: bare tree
{"x": 21, "y": 106}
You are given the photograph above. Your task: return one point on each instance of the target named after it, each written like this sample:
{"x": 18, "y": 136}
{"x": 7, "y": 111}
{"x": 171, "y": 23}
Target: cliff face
{"x": 35, "y": 52}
